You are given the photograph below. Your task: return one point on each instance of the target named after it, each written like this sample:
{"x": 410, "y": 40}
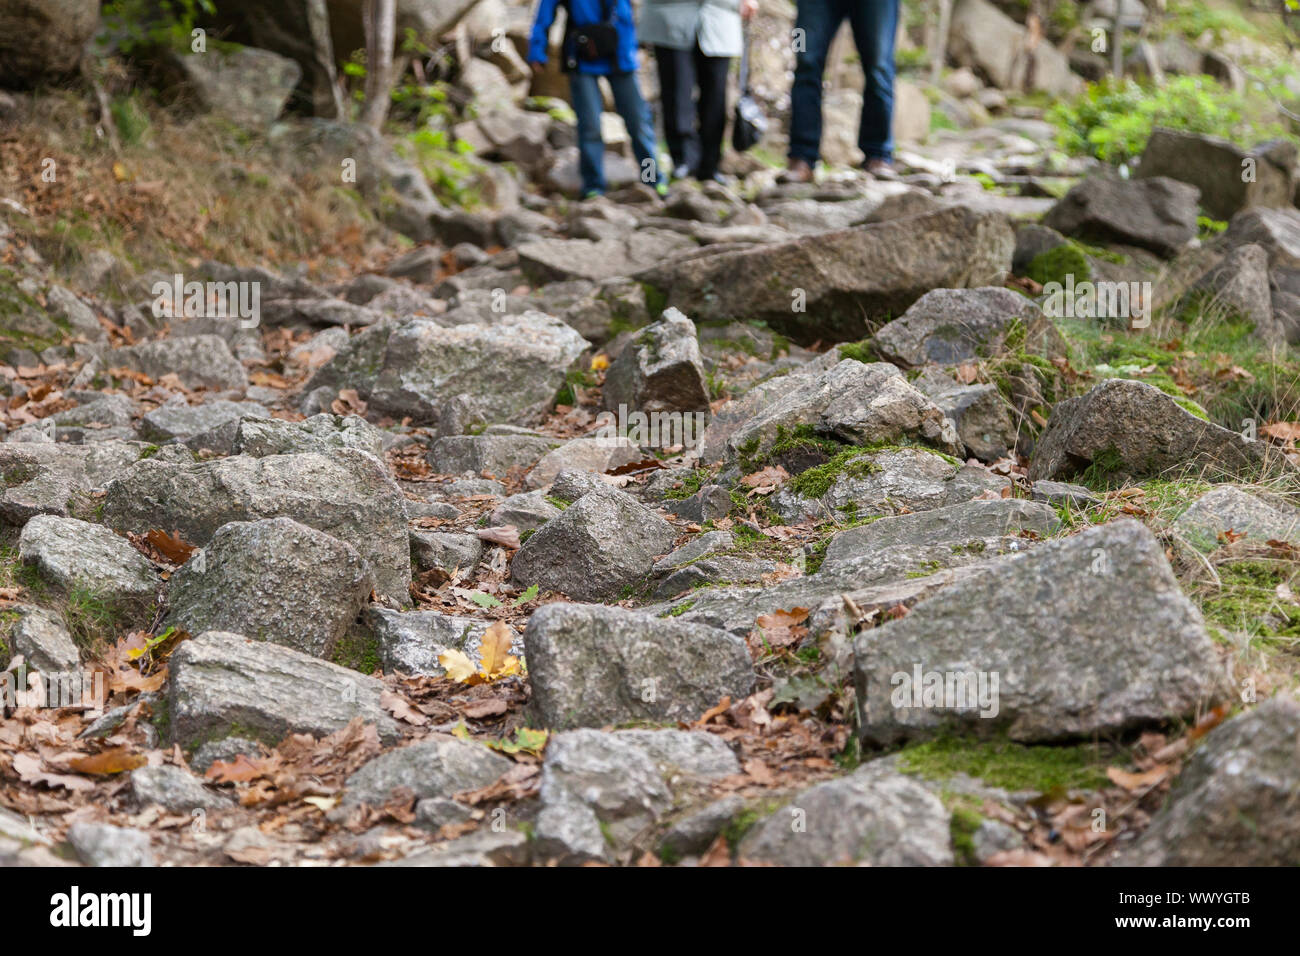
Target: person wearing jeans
{"x": 584, "y": 88}
{"x": 874, "y": 24}
{"x": 694, "y": 42}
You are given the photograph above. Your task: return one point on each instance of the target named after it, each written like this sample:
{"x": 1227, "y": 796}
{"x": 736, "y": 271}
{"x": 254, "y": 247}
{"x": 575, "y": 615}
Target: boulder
{"x": 49, "y": 478}
{"x": 100, "y": 844}
{"x": 1158, "y": 214}
{"x": 590, "y": 456}
{"x": 1084, "y": 635}
{"x": 1234, "y": 804}
{"x": 838, "y": 286}
{"x": 491, "y": 454}
{"x": 982, "y": 416}
{"x": 557, "y": 260}
{"x": 591, "y": 665}
{"x": 411, "y": 641}
{"x": 1219, "y": 167}
{"x": 602, "y": 793}
{"x": 441, "y": 767}
{"x": 347, "y": 494}
{"x": 662, "y": 371}
{"x": 178, "y": 421}
{"x": 41, "y": 637}
{"x": 247, "y": 86}
{"x": 260, "y": 437}
{"x": 271, "y": 580}
{"x": 988, "y": 41}
{"x": 1129, "y": 428}
{"x": 1240, "y": 284}
{"x": 224, "y": 685}
{"x": 41, "y": 40}
{"x": 71, "y": 554}
{"x": 603, "y": 542}
{"x": 174, "y": 789}
{"x": 200, "y": 361}
{"x": 875, "y": 816}
{"x": 412, "y": 368}
{"x": 1206, "y": 523}
{"x": 952, "y": 326}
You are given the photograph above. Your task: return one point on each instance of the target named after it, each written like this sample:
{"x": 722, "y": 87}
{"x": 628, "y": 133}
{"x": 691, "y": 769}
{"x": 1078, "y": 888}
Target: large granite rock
{"x": 71, "y": 554}
{"x": 1217, "y": 167}
{"x": 591, "y": 665}
{"x": 225, "y": 685}
{"x": 662, "y": 371}
{"x": 1157, "y": 214}
{"x": 441, "y": 767}
{"x": 348, "y": 494}
{"x": 951, "y": 326}
{"x": 1085, "y": 635}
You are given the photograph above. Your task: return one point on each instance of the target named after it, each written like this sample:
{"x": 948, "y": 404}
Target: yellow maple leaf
{"x": 458, "y": 666}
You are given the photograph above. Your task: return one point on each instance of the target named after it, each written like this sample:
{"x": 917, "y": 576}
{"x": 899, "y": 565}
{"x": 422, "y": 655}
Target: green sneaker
{"x": 661, "y": 187}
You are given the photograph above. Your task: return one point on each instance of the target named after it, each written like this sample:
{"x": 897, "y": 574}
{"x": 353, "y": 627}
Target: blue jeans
{"x": 874, "y": 24}
{"x": 584, "y": 90}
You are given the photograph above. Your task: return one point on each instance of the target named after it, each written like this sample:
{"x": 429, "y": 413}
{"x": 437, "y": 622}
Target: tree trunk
{"x": 380, "y": 17}
{"x": 326, "y": 102}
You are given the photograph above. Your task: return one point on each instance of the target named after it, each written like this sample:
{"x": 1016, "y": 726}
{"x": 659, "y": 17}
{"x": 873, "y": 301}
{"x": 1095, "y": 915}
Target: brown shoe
{"x": 797, "y": 171}
{"x": 881, "y": 169}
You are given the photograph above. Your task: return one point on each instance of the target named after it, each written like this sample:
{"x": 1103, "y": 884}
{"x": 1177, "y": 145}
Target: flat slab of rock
{"x": 1214, "y": 166}
{"x": 99, "y": 844}
{"x": 174, "y": 789}
{"x": 228, "y": 685}
{"x": 951, "y": 326}
{"x": 603, "y": 792}
{"x": 200, "y": 361}
{"x": 445, "y": 549}
{"x": 1206, "y": 523}
{"x": 1136, "y": 430}
{"x": 600, "y": 544}
{"x": 557, "y": 260}
{"x": 490, "y": 454}
{"x": 180, "y": 422}
{"x": 510, "y": 370}
{"x": 44, "y": 477}
{"x": 875, "y": 816}
{"x": 584, "y": 455}
{"x": 1234, "y": 803}
{"x": 850, "y": 279}
{"x": 274, "y": 580}
{"x": 1087, "y": 635}
{"x": 321, "y": 433}
{"x": 591, "y": 665}
{"x": 347, "y": 494}
{"x": 430, "y": 768}
{"x": 1157, "y": 214}
{"x": 69, "y": 553}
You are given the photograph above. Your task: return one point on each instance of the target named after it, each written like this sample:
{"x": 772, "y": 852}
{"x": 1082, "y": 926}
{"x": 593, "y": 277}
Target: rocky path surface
{"x": 757, "y": 524}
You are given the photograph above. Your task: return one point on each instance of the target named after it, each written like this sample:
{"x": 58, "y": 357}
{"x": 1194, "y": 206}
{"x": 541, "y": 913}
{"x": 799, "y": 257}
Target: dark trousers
{"x": 693, "y": 124}
{"x": 874, "y": 23}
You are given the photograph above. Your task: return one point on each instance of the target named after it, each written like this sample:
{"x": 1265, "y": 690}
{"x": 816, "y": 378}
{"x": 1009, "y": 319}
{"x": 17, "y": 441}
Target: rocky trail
{"x": 945, "y": 521}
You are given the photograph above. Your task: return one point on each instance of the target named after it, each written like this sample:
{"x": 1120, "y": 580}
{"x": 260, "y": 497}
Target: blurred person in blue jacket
{"x": 600, "y": 40}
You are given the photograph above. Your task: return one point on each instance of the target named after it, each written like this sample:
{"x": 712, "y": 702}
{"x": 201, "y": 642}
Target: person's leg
{"x": 712, "y": 107}
{"x": 815, "y": 26}
{"x": 676, "y": 84}
{"x": 875, "y": 24}
{"x": 636, "y": 117}
{"x": 584, "y": 91}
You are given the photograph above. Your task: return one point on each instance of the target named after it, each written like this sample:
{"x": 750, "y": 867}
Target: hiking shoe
{"x": 797, "y": 171}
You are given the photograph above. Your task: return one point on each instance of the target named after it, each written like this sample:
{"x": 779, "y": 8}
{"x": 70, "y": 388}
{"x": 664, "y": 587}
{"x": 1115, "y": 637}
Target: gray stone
{"x": 69, "y": 553}
{"x": 322, "y": 433}
{"x": 852, "y": 279}
{"x": 711, "y": 542}
{"x": 1088, "y": 635}
{"x": 571, "y": 485}
{"x": 888, "y": 482}
{"x": 1062, "y": 493}
{"x": 874, "y": 816}
{"x": 245, "y": 85}
{"x": 661, "y": 372}
{"x": 272, "y": 580}
{"x": 854, "y": 403}
{"x": 225, "y": 685}
{"x": 590, "y": 455}
{"x": 984, "y": 38}
{"x": 1234, "y": 804}
{"x": 591, "y": 665}
{"x": 1137, "y": 430}
{"x": 1240, "y": 284}
{"x": 434, "y": 813}
{"x": 601, "y": 543}
{"x": 527, "y": 511}
{"x": 510, "y": 370}
{"x": 1277, "y": 230}
{"x": 981, "y": 414}
{"x": 1215, "y": 166}
{"x": 174, "y": 789}
{"x": 1158, "y": 214}
{"x": 41, "y": 637}
{"x": 227, "y": 749}
{"x": 602, "y": 793}
{"x": 410, "y": 641}
{"x": 482, "y": 848}
{"x": 180, "y": 422}
{"x": 726, "y": 569}
{"x": 200, "y": 361}
{"x": 694, "y": 833}
{"x": 44, "y": 478}
{"x": 556, "y": 260}
{"x": 347, "y": 494}
{"x": 493, "y": 454}
{"x": 438, "y": 767}
{"x": 1229, "y": 509}
{"x": 951, "y": 326}
{"x": 446, "y": 550}
{"x": 99, "y": 844}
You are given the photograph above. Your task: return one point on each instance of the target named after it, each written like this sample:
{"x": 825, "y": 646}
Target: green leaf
{"x": 526, "y": 596}
{"x": 483, "y": 600}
